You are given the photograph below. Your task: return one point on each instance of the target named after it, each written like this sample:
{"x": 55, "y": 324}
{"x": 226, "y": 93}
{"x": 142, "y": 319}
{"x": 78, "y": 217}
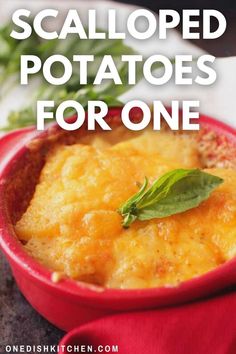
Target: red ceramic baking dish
{"x": 68, "y": 303}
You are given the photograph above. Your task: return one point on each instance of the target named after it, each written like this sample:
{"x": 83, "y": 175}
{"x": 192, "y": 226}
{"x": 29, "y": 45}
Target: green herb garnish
{"x": 12, "y": 49}
{"x": 175, "y": 192}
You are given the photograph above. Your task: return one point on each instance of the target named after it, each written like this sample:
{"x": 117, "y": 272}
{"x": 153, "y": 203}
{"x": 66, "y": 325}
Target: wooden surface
{"x": 19, "y": 323}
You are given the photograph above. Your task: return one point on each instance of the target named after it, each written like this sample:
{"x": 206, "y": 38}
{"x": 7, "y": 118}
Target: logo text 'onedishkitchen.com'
{"x": 77, "y": 348}
{"x": 140, "y": 25}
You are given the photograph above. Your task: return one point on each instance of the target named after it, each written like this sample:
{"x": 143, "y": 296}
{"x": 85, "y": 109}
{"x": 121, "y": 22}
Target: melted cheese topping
{"x": 72, "y": 226}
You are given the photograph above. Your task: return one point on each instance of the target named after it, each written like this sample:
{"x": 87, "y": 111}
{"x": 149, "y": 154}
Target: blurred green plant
{"x": 11, "y": 51}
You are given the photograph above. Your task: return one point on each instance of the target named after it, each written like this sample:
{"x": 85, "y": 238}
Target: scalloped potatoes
{"x": 72, "y": 225}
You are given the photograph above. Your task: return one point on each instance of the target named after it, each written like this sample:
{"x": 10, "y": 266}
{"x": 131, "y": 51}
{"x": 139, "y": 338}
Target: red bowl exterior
{"x": 68, "y": 304}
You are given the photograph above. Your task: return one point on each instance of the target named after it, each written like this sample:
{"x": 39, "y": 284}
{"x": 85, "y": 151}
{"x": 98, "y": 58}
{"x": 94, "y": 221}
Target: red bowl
{"x": 68, "y": 303}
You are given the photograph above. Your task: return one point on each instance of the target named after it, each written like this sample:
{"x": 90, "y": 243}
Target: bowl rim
{"x": 77, "y": 289}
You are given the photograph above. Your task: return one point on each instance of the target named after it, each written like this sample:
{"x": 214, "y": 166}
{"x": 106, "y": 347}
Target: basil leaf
{"x": 175, "y": 192}
{"x": 128, "y": 205}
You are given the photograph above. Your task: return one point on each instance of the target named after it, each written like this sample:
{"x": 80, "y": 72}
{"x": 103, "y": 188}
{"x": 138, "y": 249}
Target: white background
{"x": 218, "y": 100}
